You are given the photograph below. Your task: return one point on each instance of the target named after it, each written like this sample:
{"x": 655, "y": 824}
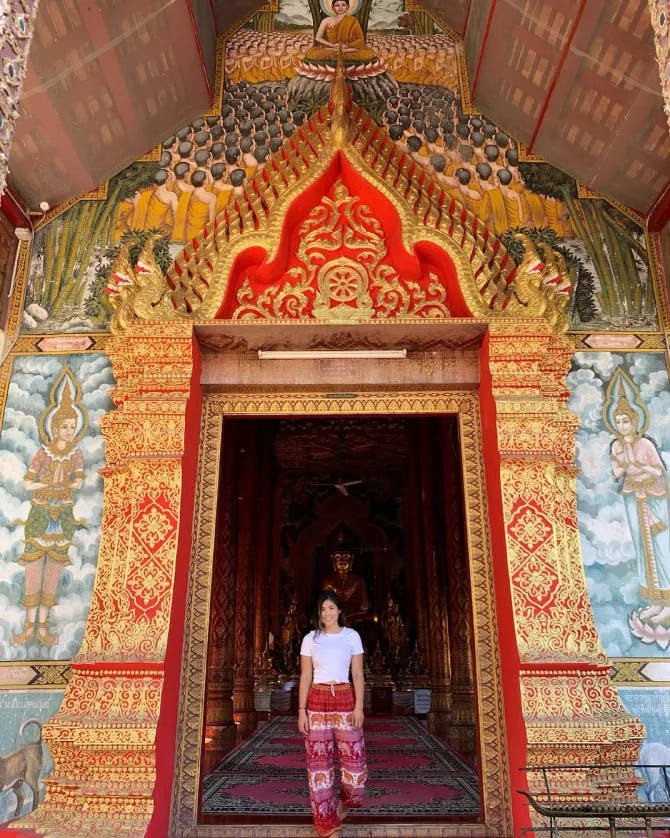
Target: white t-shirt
{"x": 331, "y": 654}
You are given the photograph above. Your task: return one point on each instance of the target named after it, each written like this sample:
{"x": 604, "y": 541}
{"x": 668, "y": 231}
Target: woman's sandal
{"x": 342, "y": 812}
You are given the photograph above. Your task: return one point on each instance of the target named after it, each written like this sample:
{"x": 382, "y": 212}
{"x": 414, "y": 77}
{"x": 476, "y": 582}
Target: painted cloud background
{"x": 607, "y": 547}
{"x": 31, "y": 380}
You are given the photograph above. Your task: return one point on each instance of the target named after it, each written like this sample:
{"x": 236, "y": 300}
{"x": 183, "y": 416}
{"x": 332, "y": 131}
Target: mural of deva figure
{"x": 55, "y": 473}
{"x": 638, "y": 467}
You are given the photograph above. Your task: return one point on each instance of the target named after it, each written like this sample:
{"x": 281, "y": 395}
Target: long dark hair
{"x": 325, "y": 596}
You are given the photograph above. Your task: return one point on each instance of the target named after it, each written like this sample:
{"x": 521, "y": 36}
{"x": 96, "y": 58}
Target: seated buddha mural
{"x": 340, "y": 35}
{"x": 340, "y": 30}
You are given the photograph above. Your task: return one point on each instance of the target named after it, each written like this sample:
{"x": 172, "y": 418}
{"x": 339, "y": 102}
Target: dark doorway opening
{"x": 292, "y": 492}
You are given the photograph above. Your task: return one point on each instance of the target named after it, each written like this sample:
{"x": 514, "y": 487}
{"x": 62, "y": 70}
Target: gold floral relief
{"x": 116, "y": 695}
{"x": 575, "y": 718}
{"x": 343, "y": 272}
{"x": 528, "y": 426}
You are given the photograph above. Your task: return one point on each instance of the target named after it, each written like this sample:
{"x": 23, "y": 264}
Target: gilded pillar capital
{"x": 152, "y": 365}
{"x": 528, "y": 364}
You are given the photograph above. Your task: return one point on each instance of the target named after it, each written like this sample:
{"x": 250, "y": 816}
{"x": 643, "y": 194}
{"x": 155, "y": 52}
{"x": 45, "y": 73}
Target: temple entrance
{"x": 371, "y": 506}
{"x": 274, "y": 467}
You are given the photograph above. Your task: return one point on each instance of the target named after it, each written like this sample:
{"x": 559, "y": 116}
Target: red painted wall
{"x": 509, "y": 655}
{"x": 167, "y": 723}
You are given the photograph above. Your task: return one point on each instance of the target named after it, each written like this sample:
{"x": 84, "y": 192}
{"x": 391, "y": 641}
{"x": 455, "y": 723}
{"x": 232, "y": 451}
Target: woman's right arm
{"x": 303, "y": 691}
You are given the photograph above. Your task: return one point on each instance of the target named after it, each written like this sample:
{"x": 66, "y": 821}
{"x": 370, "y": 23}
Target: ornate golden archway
{"x": 218, "y": 407}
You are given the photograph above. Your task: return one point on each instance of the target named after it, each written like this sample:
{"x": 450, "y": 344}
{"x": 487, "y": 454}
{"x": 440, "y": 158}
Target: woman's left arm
{"x": 359, "y": 688}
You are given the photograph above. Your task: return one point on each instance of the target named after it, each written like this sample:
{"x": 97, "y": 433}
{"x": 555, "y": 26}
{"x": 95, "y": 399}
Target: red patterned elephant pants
{"x": 330, "y": 715}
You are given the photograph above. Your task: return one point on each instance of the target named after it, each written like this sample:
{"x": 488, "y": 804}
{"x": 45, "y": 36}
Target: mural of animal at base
{"x": 22, "y": 767}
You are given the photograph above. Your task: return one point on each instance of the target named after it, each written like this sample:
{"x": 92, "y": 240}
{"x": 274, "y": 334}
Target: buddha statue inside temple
{"x": 349, "y": 586}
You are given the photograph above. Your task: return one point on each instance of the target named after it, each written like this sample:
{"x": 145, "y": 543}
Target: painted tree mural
{"x": 614, "y": 250}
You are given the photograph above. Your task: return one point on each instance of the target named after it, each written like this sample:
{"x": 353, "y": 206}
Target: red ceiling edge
{"x": 203, "y": 66}
{"x": 14, "y": 210}
{"x": 557, "y": 73}
{"x": 482, "y": 47}
{"x": 659, "y": 215}
{"x": 468, "y": 8}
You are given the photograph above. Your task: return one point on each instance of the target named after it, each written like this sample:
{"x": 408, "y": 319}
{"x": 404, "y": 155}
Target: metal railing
{"x": 654, "y": 817}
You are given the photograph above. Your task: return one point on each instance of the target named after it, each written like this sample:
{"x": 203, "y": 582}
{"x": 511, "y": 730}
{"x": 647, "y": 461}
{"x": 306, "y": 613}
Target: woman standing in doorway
{"x": 330, "y": 714}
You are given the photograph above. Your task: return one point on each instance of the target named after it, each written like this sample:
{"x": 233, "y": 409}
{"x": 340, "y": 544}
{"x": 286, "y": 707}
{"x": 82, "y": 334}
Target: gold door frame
{"x": 496, "y": 803}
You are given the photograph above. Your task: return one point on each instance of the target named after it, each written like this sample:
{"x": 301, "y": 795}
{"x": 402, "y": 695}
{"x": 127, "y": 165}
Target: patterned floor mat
{"x": 411, "y": 773}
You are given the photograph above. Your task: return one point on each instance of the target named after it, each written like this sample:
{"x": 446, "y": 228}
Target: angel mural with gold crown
{"x": 642, "y": 477}
{"x": 54, "y": 475}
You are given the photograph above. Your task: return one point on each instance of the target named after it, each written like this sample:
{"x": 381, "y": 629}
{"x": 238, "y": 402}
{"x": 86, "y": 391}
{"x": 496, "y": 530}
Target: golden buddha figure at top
{"x": 340, "y": 36}
{"x": 340, "y": 30}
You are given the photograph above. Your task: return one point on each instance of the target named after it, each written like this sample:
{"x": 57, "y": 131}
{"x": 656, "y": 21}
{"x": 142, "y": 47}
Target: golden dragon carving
{"x": 136, "y": 290}
{"x": 541, "y": 284}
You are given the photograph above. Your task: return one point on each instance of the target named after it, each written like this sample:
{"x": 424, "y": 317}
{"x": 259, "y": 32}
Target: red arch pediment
{"x": 341, "y": 256}
{"x": 413, "y": 251}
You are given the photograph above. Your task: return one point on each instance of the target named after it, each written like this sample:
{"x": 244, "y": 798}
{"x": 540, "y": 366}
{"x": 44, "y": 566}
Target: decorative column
{"x": 220, "y": 731}
{"x": 572, "y": 712}
{"x": 461, "y": 732}
{"x": 435, "y": 580}
{"x": 243, "y": 689}
{"x": 417, "y": 548}
{"x": 17, "y": 22}
{"x": 264, "y": 509}
{"x": 103, "y": 738}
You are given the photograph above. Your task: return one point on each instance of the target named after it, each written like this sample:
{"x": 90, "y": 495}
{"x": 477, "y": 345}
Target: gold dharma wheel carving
{"x": 342, "y": 281}
{"x": 343, "y": 290}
